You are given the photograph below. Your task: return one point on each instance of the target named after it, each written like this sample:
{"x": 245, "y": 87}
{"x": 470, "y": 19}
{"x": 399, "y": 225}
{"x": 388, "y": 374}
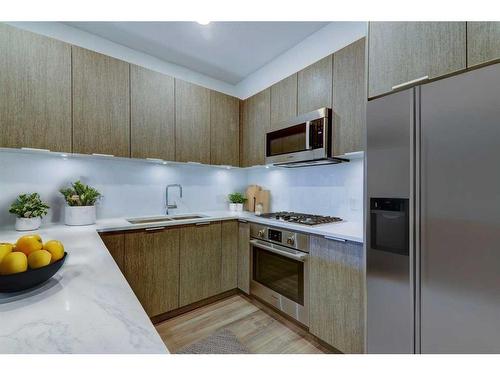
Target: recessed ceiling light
{"x": 204, "y": 23}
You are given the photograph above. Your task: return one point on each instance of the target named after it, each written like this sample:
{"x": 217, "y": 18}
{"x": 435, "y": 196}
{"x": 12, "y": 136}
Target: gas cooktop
{"x": 298, "y": 218}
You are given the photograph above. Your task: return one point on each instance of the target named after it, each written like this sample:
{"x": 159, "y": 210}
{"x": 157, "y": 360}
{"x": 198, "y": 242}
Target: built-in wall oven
{"x": 280, "y": 270}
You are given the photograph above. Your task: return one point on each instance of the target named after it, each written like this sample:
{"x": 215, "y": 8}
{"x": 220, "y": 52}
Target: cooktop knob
{"x": 290, "y": 240}
{"x": 262, "y": 233}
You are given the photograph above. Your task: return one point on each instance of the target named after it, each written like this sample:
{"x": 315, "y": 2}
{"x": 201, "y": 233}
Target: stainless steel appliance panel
{"x": 390, "y": 292}
{"x": 460, "y": 214}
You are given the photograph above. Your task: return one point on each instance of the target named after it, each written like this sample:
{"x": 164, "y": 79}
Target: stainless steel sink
{"x": 163, "y": 219}
{"x": 149, "y": 220}
{"x": 186, "y": 217}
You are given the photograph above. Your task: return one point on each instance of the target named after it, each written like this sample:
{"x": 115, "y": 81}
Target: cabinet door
{"x": 200, "y": 262}
{"x": 35, "y": 91}
{"x": 244, "y": 257}
{"x": 152, "y": 269}
{"x": 115, "y": 243}
{"x": 337, "y": 293}
{"x": 224, "y": 129}
{"x": 192, "y": 122}
{"x": 256, "y": 117}
{"x": 152, "y": 124}
{"x": 315, "y": 86}
{"x": 483, "y": 42}
{"x": 229, "y": 262}
{"x": 349, "y": 98}
{"x": 101, "y": 104}
{"x": 404, "y": 51}
{"x": 283, "y": 100}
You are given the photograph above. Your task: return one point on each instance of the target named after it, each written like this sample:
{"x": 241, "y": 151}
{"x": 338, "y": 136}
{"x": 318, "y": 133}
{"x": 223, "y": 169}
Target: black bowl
{"x": 29, "y": 278}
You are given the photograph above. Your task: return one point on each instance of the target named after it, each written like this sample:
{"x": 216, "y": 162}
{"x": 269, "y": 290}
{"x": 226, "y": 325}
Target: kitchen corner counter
{"x": 87, "y": 307}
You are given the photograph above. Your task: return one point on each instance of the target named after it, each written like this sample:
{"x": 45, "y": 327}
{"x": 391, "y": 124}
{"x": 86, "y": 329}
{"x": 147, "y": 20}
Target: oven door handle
{"x": 280, "y": 250}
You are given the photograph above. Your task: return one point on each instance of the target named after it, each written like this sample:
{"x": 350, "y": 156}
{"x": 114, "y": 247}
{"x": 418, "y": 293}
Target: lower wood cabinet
{"x": 337, "y": 293}
{"x": 151, "y": 267}
{"x": 244, "y": 257}
{"x": 229, "y": 256}
{"x": 115, "y": 243}
{"x": 200, "y": 262}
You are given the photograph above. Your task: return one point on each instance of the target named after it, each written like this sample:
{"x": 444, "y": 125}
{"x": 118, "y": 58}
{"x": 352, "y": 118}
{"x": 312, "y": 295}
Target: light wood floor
{"x": 259, "y": 331}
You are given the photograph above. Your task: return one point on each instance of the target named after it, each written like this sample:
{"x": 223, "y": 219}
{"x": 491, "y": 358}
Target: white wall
{"x": 335, "y": 190}
{"x": 136, "y": 188}
{"x": 130, "y": 188}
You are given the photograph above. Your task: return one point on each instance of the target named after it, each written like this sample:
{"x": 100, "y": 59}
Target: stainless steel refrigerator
{"x": 433, "y": 220}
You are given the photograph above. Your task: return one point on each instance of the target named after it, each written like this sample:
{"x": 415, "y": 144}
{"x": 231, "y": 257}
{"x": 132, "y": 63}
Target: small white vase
{"x": 239, "y": 207}
{"x": 232, "y": 206}
{"x": 31, "y": 223}
{"x": 79, "y": 215}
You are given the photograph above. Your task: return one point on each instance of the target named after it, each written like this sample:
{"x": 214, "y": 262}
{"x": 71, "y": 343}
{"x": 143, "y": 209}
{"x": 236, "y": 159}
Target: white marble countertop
{"x": 350, "y": 231}
{"x": 88, "y": 306}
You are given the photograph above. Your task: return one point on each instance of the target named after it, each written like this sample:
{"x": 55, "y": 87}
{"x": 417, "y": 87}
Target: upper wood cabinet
{"x": 151, "y": 265}
{"x": 229, "y": 265}
{"x": 337, "y": 293}
{"x": 152, "y": 122}
{"x": 284, "y": 100}
{"x": 349, "y": 98}
{"x": 35, "y": 91}
{"x": 255, "y": 122}
{"x": 200, "y": 262}
{"x": 400, "y": 52}
{"x": 115, "y": 243}
{"x": 224, "y": 129}
{"x": 244, "y": 257}
{"x": 101, "y": 104}
{"x": 315, "y": 86}
{"x": 483, "y": 42}
{"x": 192, "y": 122}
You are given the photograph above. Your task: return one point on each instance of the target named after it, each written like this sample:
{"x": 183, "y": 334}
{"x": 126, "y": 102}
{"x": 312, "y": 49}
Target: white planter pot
{"x": 239, "y": 207}
{"x": 79, "y": 215}
{"x": 32, "y": 223}
{"x": 232, "y": 206}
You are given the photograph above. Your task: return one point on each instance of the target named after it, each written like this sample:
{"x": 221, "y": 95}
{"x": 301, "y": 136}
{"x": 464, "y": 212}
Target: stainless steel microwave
{"x": 303, "y": 141}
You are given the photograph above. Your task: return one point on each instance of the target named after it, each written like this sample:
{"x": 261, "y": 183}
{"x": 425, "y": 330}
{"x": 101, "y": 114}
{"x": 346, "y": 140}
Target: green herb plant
{"x": 80, "y": 195}
{"x": 237, "y": 198}
{"x": 29, "y": 206}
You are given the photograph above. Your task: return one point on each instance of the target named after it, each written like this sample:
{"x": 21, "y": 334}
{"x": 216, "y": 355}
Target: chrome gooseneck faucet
{"x": 167, "y": 206}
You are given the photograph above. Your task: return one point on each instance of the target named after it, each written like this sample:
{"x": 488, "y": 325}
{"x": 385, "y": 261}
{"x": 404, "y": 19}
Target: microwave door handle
{"x": 308, "y": 135}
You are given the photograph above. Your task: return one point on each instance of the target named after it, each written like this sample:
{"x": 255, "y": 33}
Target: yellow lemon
{"x": 14, "y": 263}
{"x": 56, "y": 248}
{"x": 29, "y": 243}
{"x": 39, "y": 258}
{"x": 5, "y": 248}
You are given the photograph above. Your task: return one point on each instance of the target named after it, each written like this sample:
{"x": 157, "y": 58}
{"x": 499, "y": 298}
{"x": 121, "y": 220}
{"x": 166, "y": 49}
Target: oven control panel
{"x": 280, "y": 236}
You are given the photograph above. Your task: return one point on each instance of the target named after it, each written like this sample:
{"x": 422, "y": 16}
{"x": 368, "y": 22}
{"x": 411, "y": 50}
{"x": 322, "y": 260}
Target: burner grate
{"x": 300, "y": 218}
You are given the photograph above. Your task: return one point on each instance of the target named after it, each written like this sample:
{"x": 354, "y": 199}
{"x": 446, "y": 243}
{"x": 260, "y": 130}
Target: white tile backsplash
{"x": 137, "y": 188}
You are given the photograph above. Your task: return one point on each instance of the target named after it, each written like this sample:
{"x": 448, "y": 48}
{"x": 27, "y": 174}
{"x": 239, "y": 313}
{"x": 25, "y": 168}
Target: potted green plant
{"x": 81, "y": 200}
{"x": 29, "y": 209}
{"x": 236, "y": 201}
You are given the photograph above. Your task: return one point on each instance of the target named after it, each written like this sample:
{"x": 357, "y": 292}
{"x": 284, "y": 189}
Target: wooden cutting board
{"x": 251, "y": 195}
{"x": 263, "y": 198}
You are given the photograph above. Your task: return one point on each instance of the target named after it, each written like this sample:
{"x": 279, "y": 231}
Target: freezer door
{"x": 460, "y": 213}
{"x": 389, "y": 313}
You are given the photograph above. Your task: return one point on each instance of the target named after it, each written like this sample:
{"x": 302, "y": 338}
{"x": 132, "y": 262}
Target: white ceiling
{"x": 226, "y": 51}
